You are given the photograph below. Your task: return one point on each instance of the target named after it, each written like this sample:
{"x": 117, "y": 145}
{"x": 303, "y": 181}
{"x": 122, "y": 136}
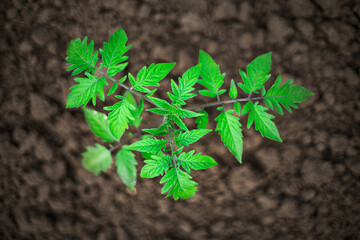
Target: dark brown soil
{"x": 305, "y": 188}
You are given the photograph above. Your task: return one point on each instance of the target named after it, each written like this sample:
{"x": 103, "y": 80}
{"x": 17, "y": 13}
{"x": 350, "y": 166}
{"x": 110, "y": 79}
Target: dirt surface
{"x": 305, "y": 188}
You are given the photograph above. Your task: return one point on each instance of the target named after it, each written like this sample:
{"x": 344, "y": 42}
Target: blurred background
{"x": 305, "y": 188}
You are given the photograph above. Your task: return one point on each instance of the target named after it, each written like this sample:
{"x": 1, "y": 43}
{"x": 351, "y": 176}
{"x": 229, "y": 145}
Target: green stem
{"x": 225, "y": 102}
{"x": 173, "y": 158}
{"x": 193, "y": 108}
{"x": 220, "y": 102}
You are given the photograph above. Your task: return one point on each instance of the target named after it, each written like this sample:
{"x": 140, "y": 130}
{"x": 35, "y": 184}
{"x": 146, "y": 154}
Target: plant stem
{"x": 171, "y": 146}
{"x": 225, "y": 102}
{"x": 219, "y": 101}
{"x": 126, "y": 93}
{"x": 192, "y": 108}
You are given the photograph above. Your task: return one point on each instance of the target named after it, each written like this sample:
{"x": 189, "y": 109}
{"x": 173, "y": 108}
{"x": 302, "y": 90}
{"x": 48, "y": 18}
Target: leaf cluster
{"x": 174, "y": 164}
{"x": 165, "y": 147}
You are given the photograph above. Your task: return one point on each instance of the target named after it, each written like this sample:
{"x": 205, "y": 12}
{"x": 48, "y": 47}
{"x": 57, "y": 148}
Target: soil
{"x": 305, "y": 188}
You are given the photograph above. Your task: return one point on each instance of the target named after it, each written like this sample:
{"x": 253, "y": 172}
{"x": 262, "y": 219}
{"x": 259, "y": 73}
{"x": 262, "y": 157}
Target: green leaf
{"x": 126, "y": 167}
{"x": 80, "y": 56}
{"x": 146, "y": 155}
{"x": 113, "y": 89}
{"x": 183, "y": 113}
{"x": 187, "y": 138}
{"x": 131, "y": 79}
{"x": 120, "y": 116}
{"x": 175, "y": 89}
{"x": 287, "y": 95}
{"x": 221, "y": 91}
{"x": 113, "y": 51}
{"x": 263, "y": 91}
{"x": 150, "y": 93}
{"x": 155, "y": 166}
{"x": 131, "y": 99}
{"x": 151, "y": 145}
{"x": 138, "y": 118}
{"x": 211, "y": 77}
{"x": 179, "y": 150}
{"x": 196, "y": 162}
{"x": 203, "y": 120}
{"x": 165, "y": 107}
{"x": 229, "y": 129}
{"x": 237, "y": 107}
{"x": 99, "y": 125}
{"x": 86, "y": 89}
{"x": 151, "y": 76}
{"x": 115, "y": 85}
{"x": 233, "y": 91}
{"x": 178, "y": 184}
{"x": 247, "y": 107}
{"x": 96, "y": 159}
{"x": 207, "y": 93}
{"x": 160, "y": 131}
{"x": 178, "y": 122}
{"x": 257, "y": 73}
{"x": 186, "y": 83}
{"x": 263, "y": 122}
{"x": 135, "y": 112}
{"x": 140, "y": 107}
{"x": 162, "y": 103}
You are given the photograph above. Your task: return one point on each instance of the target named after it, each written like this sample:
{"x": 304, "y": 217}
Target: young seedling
{"x": 163, "y": 146}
